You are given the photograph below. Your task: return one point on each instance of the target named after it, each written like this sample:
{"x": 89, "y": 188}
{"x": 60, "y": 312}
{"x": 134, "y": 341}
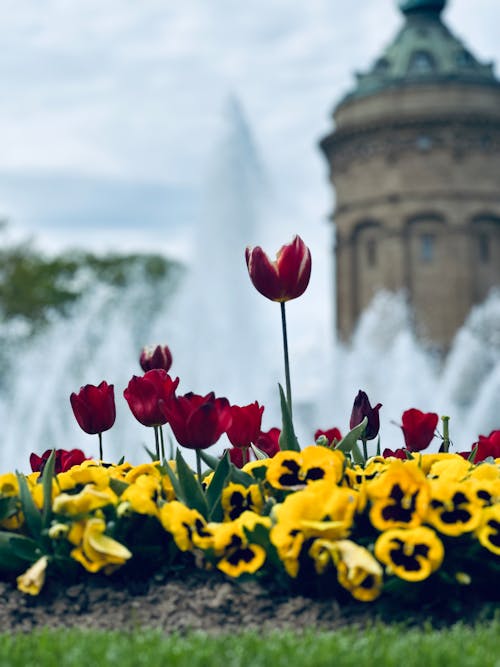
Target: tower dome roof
{"x": 423, "y": 51}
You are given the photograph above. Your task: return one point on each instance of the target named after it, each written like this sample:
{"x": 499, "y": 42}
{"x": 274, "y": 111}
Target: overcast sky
{"x": 110, "y": 108}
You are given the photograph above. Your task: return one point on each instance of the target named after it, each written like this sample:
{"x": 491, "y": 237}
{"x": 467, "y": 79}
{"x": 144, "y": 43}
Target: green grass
{"x": 387, "y": 646}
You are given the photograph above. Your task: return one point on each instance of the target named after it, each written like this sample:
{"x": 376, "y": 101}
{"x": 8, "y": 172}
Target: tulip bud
{"x": 155, "y": 357}
{"x": 284, "y": 279}
{"x": 362, "y": 409}
{"x": 94, "y": 407}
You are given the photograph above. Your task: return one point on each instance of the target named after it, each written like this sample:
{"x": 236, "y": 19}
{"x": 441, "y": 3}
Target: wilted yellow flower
{"x": 411, "y": 554}
{"x": 318, "y": 511}
{"x": 95, "y": 550}
{"x": 32, "y": 581}
{"x": 357, "y": 570}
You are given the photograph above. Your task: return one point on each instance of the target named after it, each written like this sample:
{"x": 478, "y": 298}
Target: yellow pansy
{"x": 454, "y": 507}
{"x": 237, "y": 499}
{"x": 291, "y": 470}
{"x": 142, "y": 494}
{"x": 399, "y": 496}
{"x": 488, "y": 531}
{"x": 187, "y": 526}
{"x": 90, "y": 498}
{"x": 411, "y": 554}
{"x": 236, "y": 554}
{"x": 95, "y": 550}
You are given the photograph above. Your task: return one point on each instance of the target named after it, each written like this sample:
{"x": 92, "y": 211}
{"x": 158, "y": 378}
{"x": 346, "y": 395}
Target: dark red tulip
{"x": 362, "y": 409}
{"x": 284, "y": 279}
{"x": 418, "y": 428}
{"x": 487, "y": 445}
{"x": 94, "y": 407}
{"x": 145, "y": 395}
{"x": 397, "y": 453}
{"x": 65, "y": 459}
{"x": 155, "y": 357}
{"x": 197, "y": 421}
{"x": 331, "y": 434}
{"x": 268, "y": 441}
{"x": 245, "y": 424}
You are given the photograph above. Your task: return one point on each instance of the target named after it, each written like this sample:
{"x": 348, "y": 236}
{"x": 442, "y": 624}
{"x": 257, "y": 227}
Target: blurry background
{"x": 190, "y": 130}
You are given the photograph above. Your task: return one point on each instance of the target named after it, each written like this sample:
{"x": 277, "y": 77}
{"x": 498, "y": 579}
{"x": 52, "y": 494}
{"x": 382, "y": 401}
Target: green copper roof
{"x": 423, "y": 51}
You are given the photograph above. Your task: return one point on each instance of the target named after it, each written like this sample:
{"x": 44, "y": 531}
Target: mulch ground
{"x": 188, "y": 600}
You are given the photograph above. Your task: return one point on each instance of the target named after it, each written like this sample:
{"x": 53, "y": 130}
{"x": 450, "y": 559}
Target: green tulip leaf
{"x": 30, "y": 510}
{"x": 118, "y": 486}
{"x": 8, "y": 507}
{"x": 259, "y": 454}
{"x": 47, "y": 478}
{"x": 347, "y": 443}
{"x": 16, "y": 552}
{"x": 240, "y": 477}
{"x": 211, "y": 461}
{"x": 175, "y": 483}
{"x": 191, "y": 488}
{"x": 287, "y": 439}
{"x": 219, "y": 481}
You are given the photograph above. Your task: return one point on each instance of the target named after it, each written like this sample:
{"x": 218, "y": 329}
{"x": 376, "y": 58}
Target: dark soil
{"x": 190, "y": 599}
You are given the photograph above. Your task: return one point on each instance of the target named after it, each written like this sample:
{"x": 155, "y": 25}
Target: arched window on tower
{"x": 421, "y": 62}
{"x": 485, "y": 254}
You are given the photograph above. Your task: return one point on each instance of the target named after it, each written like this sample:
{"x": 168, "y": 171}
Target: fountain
{"x": 225, "y": 337}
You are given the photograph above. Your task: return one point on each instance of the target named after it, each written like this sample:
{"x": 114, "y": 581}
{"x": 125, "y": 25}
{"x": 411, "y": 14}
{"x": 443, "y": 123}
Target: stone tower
{"x": 414, "y": 158}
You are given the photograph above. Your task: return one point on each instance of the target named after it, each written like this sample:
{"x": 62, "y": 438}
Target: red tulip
{"x": 197, "y": 421}
{"x": 145, "y": 395}
{"x": 155, "y": 357}
{"x": 245, "y": 424}
{"x": 362, "y": 409}
{"x": 94, "y": 407}
{"x": 268, "y": 442}
{"x": 418, "y": 428}
{"x": 487, "y": 446}
{"x": 331, "y": 434}
{"x": 284, "y": 279}
{"x": 65, "y": 459}
{"x": 236, "y": 456}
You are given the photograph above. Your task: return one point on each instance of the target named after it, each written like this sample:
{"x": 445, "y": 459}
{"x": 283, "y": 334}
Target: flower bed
{"x": 327, "y": 517}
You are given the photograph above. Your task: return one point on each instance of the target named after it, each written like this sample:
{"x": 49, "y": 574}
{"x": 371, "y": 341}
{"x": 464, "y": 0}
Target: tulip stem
{"x": 100, "y": 446}
{"x": 287, "y": 363}
{"x": 445, "y": 447}
{"x": 198, "y": 464}
{"x": 157, "y": 443}
{"x": 162, "y": 444}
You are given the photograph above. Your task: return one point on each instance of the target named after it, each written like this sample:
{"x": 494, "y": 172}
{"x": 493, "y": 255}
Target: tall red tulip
{"x": 155, "y": 357}
{"x": 145, "y": 394}
{"x": 94, "y": 409}
{"x": 245, "y": 424}
{"x": 284, "y": 279}
{"x": 418, "y": 428}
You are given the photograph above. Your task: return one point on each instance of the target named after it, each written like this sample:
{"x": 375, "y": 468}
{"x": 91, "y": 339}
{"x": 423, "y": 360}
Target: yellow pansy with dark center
{"x": 318, "y": 511}
{"x": 294, "y": 470}
{"x": 412, "y": 554}
{"x": 454, "y": 507}
{"x": 231, "y": 544}
{"x": 187, "y": 526}
{"x": 488, "y": 532}
{"x": 399, "y": 496}
{"x": 143, "y": 494}
{"x": 237, "y": 499}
